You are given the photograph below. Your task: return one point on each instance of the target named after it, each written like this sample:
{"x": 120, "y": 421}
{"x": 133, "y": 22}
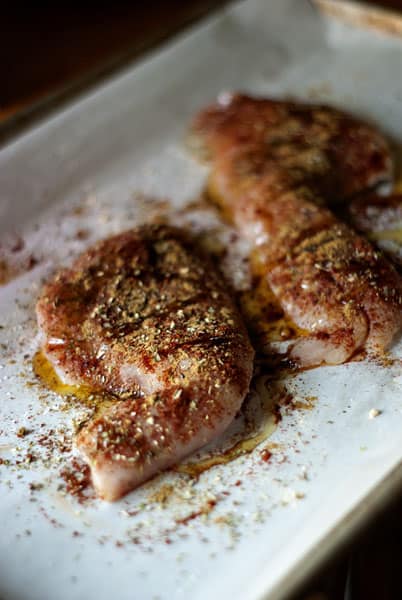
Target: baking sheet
{"x": 248, "y": 529}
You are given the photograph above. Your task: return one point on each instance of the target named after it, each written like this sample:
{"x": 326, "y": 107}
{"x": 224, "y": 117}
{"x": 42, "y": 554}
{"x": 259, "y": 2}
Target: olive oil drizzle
{"x": 244, "y": 446}
{"x": 81, "y": 394}
{"x": 391, "y": 235}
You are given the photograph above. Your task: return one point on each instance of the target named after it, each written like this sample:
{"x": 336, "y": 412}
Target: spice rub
{"x": 145, "y": 317}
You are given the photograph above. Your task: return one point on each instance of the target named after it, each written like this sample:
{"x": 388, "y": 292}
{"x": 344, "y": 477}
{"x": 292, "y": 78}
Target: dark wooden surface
{"x": 50, "y": 50}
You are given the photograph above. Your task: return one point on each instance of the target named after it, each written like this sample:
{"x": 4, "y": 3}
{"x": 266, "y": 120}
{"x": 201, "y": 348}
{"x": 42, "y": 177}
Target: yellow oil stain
{"x": 392, "y": 235}
{"x": 44, "y": 369}
{"x": 6, "y": 272}
{"x": 262, "y": 311}
{"x": 247, "y": 444}
{"x": 83, "y": 394}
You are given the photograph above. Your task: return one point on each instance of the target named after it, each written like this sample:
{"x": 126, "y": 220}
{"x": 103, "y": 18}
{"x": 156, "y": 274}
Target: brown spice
{"x": 22, "y": 432}
{"x": 77, "y": 480}
{"x": 265, "y": 455}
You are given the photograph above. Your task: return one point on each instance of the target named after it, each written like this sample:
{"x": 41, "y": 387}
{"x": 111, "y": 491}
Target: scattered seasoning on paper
{"x": 22, "y": 432}
{"x": 374, "y": 412}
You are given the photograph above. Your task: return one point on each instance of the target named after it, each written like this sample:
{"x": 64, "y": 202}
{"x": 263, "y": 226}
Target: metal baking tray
{"x": 251, "y": 528}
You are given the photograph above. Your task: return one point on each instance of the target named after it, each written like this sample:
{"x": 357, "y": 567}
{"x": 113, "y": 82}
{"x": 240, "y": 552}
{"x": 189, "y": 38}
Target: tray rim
{"x": 375, "y": 503}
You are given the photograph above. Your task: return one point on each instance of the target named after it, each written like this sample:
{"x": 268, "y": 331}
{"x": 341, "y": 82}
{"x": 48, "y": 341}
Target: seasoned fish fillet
{"x": 272, "y": 166}
{"x": 145, "y": 317}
